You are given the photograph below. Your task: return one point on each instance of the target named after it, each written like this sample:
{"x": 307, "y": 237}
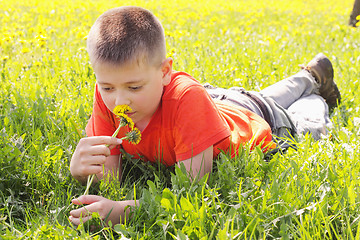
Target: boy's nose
{"x": 122, "y": 100}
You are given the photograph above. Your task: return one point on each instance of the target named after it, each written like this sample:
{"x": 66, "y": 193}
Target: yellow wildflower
{"x": 133, "y": 136}
{"x": 121, "y": 109}
{"x": 172, "y": 53}
{"x": 37, "y": 64}
{"x": 125, "y": 120}
{"x": 5, "y": 58}
{"x": 25, "y": 50}
{"x": 42, "y": 43}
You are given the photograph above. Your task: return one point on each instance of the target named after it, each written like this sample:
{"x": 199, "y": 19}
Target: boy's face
{"x": 138, "y": 86}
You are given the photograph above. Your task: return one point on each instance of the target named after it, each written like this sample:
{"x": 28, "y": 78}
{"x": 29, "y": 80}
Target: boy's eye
{"x": 106, "y": 88}
{"x": 135, "y": 87}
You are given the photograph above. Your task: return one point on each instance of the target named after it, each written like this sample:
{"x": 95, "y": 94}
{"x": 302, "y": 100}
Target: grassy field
{"x": 46, "y": 97}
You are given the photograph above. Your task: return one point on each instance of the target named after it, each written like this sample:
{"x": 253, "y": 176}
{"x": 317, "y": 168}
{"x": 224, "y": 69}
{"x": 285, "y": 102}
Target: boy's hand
{"x": 101, "y": 205}
{"x": 90, "y": 154}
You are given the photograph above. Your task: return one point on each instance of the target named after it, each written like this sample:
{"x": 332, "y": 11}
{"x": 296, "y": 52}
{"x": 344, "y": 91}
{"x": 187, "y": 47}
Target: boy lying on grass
{"x": 182, "y": 121}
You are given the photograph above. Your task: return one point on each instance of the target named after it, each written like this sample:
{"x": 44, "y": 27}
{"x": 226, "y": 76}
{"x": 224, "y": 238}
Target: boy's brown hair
{"x": 127, "y": 34}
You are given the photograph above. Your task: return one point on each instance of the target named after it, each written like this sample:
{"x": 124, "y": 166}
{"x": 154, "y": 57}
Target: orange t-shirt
{"x": 186, "y": 122}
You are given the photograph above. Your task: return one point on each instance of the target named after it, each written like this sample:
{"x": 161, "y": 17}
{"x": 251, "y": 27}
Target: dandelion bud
{"x": 133, "y": 136}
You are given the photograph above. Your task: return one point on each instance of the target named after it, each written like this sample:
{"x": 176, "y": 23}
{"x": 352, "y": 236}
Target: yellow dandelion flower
{"x": 5, "y": 58}
{"x": 25, "y": 50}
{"x": 37, "y": 64}
{"x": 42, "y": 44}
{"x": 358, "y": 17}
{"x": 126, "y": 120}
{"x": 121, "y": 109}
{"x": 133, "y": 136}
{"x": 357, "y": 24}
{"x": 172, "y": 53}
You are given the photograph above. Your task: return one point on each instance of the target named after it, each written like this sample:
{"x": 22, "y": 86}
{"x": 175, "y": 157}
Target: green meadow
{"x": 46, "y": 95}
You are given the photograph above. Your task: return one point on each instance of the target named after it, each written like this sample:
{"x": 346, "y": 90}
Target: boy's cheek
{"x": 108, "y": 102}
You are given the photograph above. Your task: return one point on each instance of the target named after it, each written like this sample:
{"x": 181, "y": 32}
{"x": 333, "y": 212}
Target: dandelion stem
{"x": 117, "y": 130}
{"x": 90, "y": 178}
{"x": 134, "y": 138}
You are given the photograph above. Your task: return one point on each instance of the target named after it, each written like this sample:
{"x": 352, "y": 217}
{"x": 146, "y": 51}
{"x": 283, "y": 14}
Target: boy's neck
{"x": 143, "y": 124}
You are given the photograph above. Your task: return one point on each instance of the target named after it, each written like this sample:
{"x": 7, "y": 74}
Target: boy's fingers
{"x": 84, "y": 214}
{"x": 96, "y": 160}
{"x": 100, "y": 150}
{"x": 77, "y": 221}
{"x": 94, "y": 169}
{"x": 81, "y": 212}
{"x": 98, "y": 140}
{"x": 86, "y": 199}
{"x": 112, "y": 146}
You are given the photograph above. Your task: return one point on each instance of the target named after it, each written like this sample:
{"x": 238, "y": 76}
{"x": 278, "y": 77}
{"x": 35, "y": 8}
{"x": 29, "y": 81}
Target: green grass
{"x": 46, "y": 98}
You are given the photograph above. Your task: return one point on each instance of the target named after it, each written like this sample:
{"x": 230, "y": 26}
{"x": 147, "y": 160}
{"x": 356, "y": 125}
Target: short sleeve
{"x": 198, "y": 123}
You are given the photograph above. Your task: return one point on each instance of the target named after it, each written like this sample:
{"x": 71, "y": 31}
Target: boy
{"x": 180, "y": 120}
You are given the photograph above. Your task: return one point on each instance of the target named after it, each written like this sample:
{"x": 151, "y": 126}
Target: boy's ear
{"x": 166, "y": 69}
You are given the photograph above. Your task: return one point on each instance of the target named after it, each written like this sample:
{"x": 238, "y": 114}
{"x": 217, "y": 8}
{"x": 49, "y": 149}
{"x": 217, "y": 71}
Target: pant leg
{"x": 310, "y": 114}
{"x": 289, "y": 90}
{"x": 280, "y": 122}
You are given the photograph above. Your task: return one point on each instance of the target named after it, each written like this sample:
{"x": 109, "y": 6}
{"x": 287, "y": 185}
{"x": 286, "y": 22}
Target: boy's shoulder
{"x": 183, "y": 78}
{"x": 180, "y": 84}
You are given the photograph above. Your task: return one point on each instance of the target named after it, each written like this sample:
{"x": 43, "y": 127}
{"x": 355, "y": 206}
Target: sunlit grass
{"x": 46, "y": 98}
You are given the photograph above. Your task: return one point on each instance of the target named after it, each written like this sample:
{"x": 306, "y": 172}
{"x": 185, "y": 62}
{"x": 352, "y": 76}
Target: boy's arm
{"x": 196, "y": 166}
{"x": 200, "y": 164}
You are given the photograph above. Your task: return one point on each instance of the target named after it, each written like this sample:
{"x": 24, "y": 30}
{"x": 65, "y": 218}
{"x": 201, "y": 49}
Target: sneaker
{"x": 321, "y": 69}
